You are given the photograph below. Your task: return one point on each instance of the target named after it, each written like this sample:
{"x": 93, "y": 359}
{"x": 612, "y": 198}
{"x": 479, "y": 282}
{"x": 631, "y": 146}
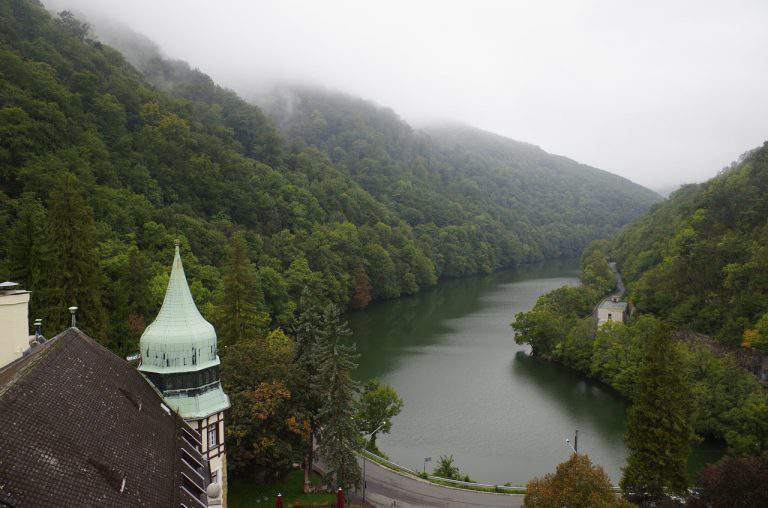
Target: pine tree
{"x": 314, "y": 327}
{"x": 29, "y": 260}
{"x": 132, "y": 302}
{"x": 243, "y": 311}
{"x": 137, "y": 279}
{"x": 338, "y": 439}
{"x": 659, "y": 430}
{"x": 76, "y": 277}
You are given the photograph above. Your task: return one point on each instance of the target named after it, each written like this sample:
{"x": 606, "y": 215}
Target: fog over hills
{"x": 660, "y": 93}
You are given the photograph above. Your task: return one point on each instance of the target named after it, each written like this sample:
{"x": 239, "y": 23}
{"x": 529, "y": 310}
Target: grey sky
{"x": 660, "y": 92}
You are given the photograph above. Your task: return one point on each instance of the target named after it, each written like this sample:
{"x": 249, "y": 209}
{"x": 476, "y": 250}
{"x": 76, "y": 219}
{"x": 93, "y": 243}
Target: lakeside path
{"x": 386, "y": 488}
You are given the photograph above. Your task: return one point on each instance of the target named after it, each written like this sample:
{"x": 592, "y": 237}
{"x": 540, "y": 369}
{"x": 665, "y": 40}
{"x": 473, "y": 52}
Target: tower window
{"x": 213, "y": 436}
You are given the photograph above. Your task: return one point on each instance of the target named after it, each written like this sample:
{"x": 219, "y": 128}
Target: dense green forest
{"x": 700, "y": 259}
{"x": 478, "y": 201}
{"x": 102, "y": 166}
{"x": 696, "y": 262}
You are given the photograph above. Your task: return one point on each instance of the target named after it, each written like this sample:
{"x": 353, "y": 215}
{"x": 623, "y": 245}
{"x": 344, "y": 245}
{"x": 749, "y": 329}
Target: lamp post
{"x": 575, "y": 445}
{"x": 369, "y": 435}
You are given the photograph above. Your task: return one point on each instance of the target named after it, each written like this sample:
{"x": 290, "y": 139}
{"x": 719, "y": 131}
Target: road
{"x": 619, "y": 283}
{"x": 386, "y": 488}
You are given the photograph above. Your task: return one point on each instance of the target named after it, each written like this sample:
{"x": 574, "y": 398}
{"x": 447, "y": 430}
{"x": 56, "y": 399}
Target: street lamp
{"x": 369, "y": 435}
{"x": 575, "y": 445}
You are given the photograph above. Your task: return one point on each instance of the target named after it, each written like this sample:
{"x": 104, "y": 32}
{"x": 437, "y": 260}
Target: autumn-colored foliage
{"x": 576, "y": 483}
{"x": 361, "y": 296}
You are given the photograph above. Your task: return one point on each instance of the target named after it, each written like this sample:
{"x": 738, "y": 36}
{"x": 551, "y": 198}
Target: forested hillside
{"x": 696, "y": 262}
{"x": 103, "y": 165}
{"x": 700, "y": 259}
{"x": 480, "y": 201}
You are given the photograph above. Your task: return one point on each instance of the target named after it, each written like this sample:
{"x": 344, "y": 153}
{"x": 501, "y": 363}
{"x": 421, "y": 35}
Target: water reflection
{"x": 581, "y": 398}
{"x": 470, "y": 391}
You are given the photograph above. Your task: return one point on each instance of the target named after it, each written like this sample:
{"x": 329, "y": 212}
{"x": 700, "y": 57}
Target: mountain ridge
{"x": 346, "y": 199}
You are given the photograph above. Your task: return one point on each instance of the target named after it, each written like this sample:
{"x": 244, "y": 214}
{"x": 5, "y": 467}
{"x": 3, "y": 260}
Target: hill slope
{"x": 103, "y": 165}
{"x": 700, "y": 259}
{"x": 527, "y": 203}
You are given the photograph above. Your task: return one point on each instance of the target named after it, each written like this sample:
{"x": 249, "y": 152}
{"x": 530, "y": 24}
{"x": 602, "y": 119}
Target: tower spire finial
{"x": 176, "y": 242}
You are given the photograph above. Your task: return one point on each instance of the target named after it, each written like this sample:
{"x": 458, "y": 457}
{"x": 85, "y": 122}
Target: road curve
{"x": 386, "y": 489}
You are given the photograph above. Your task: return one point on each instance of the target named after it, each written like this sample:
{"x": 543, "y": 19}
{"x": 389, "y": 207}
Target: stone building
{"x": 613, "y": 310}
{"x": 179, "y": 357}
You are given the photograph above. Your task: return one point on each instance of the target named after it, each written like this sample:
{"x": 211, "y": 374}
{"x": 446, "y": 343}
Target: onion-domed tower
{"x": 179, "y": 357}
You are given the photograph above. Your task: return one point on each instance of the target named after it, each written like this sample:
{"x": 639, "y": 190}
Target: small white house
{"x": 611, "y": 309}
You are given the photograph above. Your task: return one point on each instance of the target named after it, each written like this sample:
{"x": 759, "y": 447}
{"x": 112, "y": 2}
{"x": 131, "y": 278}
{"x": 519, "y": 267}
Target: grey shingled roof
{"x": 79, "y": 426}
{"x": 608, "y": 304}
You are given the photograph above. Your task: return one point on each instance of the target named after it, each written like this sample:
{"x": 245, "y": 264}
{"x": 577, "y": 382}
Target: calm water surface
{"x": 470, "y": 391}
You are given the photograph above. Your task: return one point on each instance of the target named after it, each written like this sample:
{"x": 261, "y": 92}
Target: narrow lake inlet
{"x": 470, "y": 391}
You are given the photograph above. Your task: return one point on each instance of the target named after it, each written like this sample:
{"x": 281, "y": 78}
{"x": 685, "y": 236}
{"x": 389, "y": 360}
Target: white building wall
{"x": 216, "y": 455}
{"x": 614, "y": 314}
{"x": 14, "y": 325}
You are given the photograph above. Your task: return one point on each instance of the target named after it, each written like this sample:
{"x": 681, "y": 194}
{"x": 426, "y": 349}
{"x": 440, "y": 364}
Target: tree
{"x": 735, "y": 482}
{"x": 447, "y": 469}
{"x": 576, "y": 483}
{"x": 266, "y": 431}
{"x": 75, "y": 275}
{"x": 242, "y": 309}
{"x": 314, "y": 328}
{"x": 338, "y": 438}
{"x": 139, "y": 297}
{"x": 748, "y": 433}
{"x": 29, "y": 260}
{"x": 361, "y": 295}
{"x": 659, "y": 430}
{"x": 542, "y": 329}
{"x": 78, "y": 28}
{"x": 379, "y": 403}
{"x": 132, "y": 302}
{"x": 757, "y": 337}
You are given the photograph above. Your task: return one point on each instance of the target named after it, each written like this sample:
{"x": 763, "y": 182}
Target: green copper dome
{"x": 179, "y": 355}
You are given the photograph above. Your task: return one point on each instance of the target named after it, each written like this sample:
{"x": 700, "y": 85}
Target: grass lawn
{"x": 245, "y": 494}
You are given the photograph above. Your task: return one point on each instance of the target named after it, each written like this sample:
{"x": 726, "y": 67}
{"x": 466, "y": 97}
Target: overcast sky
{"x": 660, "y": 92}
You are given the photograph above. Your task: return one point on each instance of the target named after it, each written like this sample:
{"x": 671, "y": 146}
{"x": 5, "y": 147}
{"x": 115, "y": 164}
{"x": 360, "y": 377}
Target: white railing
{"x": 396, "y": 466}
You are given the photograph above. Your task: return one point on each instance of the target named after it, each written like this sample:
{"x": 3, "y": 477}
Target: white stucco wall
{"x": 217, "y": 457}
{"x": 14, "y": 325}
{"x": 607, "y": 313}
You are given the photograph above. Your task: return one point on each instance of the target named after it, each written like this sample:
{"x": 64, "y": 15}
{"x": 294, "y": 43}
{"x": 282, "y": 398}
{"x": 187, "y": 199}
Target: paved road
{"x": 385, "y": 488}
{"x": 619, "y": 283}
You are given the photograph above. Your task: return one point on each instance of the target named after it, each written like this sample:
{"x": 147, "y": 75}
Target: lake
{"x": 470, "y": 391}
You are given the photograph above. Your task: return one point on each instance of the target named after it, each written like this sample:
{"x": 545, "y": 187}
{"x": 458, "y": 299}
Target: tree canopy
{"x": 339, "y": 196}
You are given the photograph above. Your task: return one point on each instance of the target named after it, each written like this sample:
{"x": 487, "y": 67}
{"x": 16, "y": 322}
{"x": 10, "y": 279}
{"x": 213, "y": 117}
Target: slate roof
{"x": 79, "y": 426}
{"x": 609, "y": 304}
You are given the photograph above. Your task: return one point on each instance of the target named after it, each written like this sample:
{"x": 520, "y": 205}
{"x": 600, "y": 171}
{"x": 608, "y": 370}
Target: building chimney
{"x": 14, "y": 322}
{"x": 73, "y": 312}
